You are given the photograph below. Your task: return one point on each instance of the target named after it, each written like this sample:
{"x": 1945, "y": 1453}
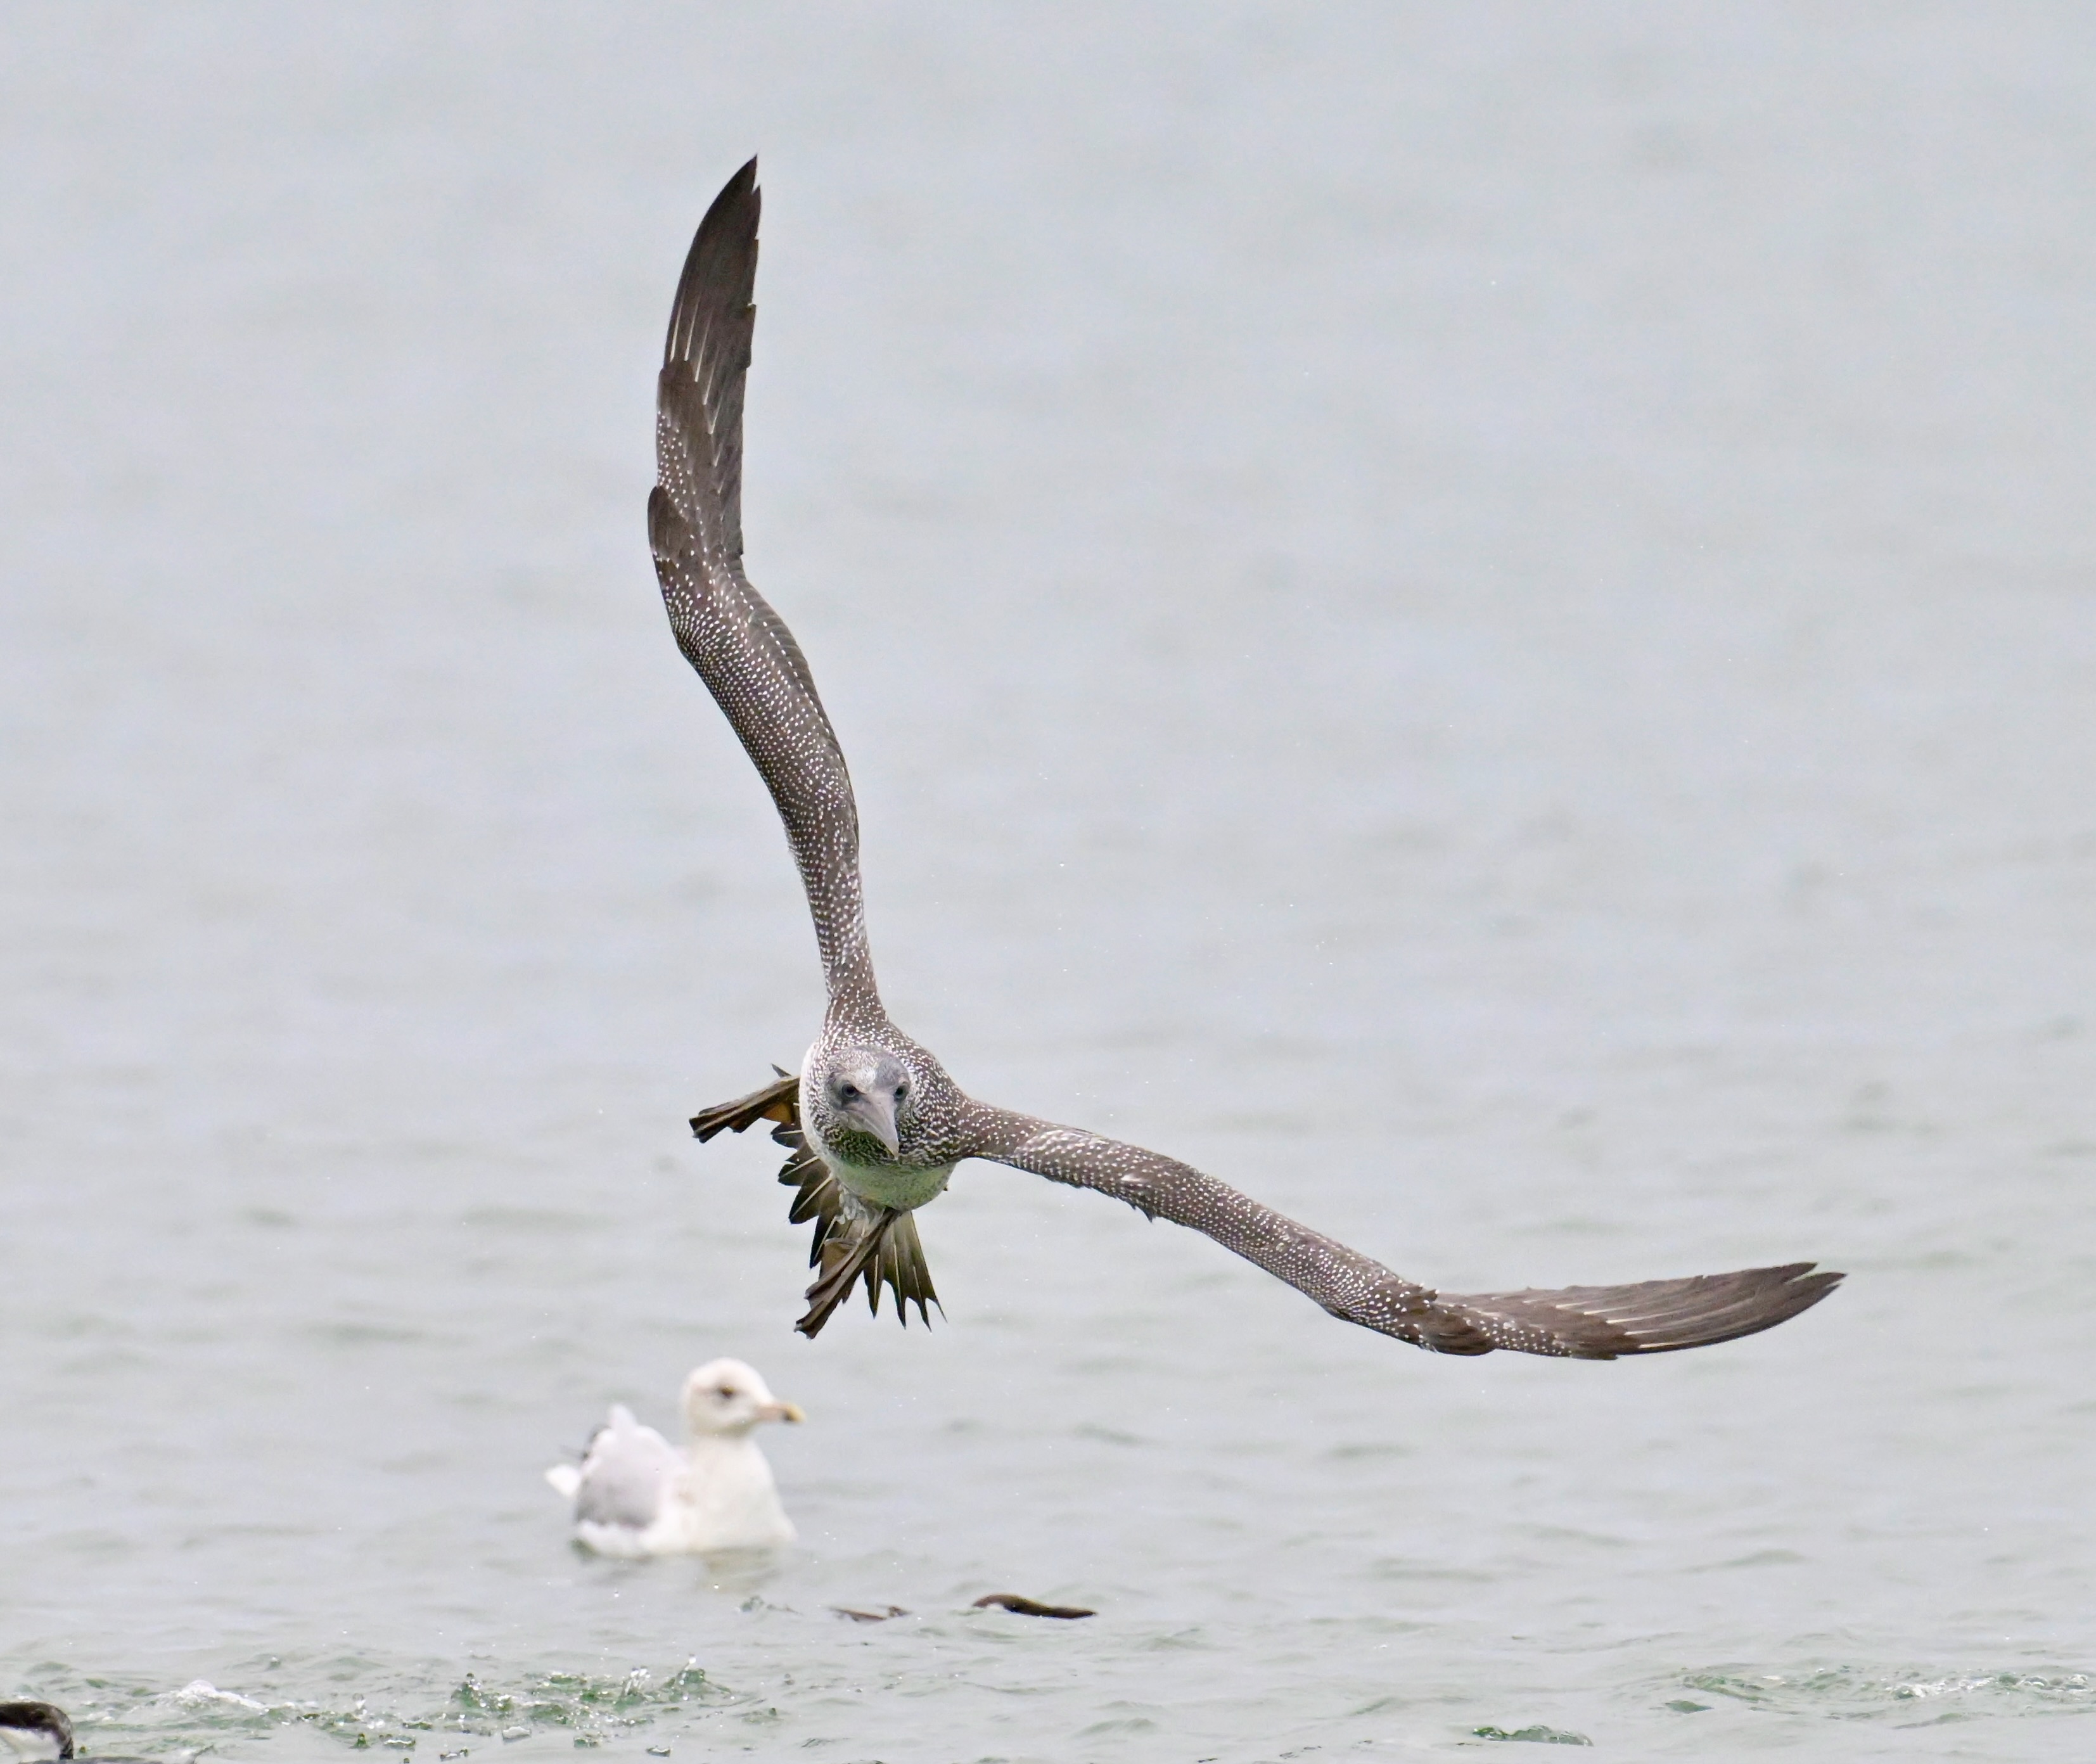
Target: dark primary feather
{"x": 1648, "y": 1316}
{"x": 739, "y": 646}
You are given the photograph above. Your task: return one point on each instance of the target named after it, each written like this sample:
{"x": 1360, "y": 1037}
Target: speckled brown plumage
{"x": 861, "y": 1192}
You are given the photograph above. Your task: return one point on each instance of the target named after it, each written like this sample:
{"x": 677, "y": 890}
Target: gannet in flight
{"x": 875, "y": 1125}
{"x": 635, "y": 1494}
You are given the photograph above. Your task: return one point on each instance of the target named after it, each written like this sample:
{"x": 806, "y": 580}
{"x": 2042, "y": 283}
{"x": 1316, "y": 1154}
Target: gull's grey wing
{"x": 1579, "y": 1322}
{"x": 625, "y": 1470}
{"x": 740, "y": 646}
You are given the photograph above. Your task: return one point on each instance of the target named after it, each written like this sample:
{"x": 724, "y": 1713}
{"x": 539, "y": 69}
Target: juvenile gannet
{"x": 875, "y": 1124}
{"x": 635, "y": 1494}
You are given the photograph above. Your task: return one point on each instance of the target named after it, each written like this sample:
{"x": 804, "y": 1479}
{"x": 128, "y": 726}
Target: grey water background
{"x": 1479, "y": 619}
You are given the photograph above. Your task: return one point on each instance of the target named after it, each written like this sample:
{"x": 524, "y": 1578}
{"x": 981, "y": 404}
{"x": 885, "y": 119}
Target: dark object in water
{"x": 869, "y": 1617}
{"x": 43, "y": 1731}
{"x": 1019, "y": 1607}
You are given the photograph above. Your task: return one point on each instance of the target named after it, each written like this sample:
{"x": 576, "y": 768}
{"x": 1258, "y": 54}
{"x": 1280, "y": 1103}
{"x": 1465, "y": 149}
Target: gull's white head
{"x": 35, "y": 1731}
{"x": 724, "y": 1396}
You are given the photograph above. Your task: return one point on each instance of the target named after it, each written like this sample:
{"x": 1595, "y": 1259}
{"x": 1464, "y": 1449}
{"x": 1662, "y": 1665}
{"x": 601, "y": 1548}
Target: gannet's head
{"x": 724, "y": 1396}
{"x": 35, "y": 1731}
{"x": 867, "y": 1091}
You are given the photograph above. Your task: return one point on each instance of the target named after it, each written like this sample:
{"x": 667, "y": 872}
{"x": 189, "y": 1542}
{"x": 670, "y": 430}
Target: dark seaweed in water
{"x": 1024, "y": 1607}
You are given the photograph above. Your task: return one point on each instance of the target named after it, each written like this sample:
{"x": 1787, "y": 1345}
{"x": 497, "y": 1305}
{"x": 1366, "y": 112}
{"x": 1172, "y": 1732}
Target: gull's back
{"x": 624, "y": 1475}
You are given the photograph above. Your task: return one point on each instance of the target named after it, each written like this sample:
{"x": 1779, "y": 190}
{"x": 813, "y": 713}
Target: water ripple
{"x": 1909, "y": 1698}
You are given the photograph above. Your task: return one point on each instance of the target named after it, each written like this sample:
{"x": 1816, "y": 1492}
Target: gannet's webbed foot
{"x": 845, "y": 1251}
{"x": 779, "y": 1101}
{"x": 882, "y": 1249}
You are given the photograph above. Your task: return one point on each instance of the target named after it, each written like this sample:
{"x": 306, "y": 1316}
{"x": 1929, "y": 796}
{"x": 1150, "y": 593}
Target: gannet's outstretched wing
{"x": 740, "y": 646}
{"x": 1653, "y": 1316}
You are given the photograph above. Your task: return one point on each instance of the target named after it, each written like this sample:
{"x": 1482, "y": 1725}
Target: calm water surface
{"x": 1479, "y": 620}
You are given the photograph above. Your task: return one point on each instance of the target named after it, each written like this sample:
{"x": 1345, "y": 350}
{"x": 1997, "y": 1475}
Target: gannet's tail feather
{"x": 878, "y": 1248}
{"x": 899, "y": 1264}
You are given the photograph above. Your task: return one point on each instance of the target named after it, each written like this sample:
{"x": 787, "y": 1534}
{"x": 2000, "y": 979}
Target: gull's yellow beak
{"x": 781, "y": 1412}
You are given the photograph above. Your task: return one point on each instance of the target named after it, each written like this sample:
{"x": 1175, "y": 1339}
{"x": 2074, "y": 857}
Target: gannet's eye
{"x": 848, "y": 1093}
{"x": 902, "y": 1090}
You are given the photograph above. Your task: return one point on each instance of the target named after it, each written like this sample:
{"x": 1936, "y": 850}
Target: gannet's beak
{"x": 781, "y": 1412}
{"x": 876, "y": 1114}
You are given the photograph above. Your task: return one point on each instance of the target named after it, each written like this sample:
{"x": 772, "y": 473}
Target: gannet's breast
{"x": 895, "y": 1185}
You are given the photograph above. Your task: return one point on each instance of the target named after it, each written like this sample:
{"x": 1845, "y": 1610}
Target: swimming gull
{"x": 873, "y": 1123}
{"x": 635, "y": 1494}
